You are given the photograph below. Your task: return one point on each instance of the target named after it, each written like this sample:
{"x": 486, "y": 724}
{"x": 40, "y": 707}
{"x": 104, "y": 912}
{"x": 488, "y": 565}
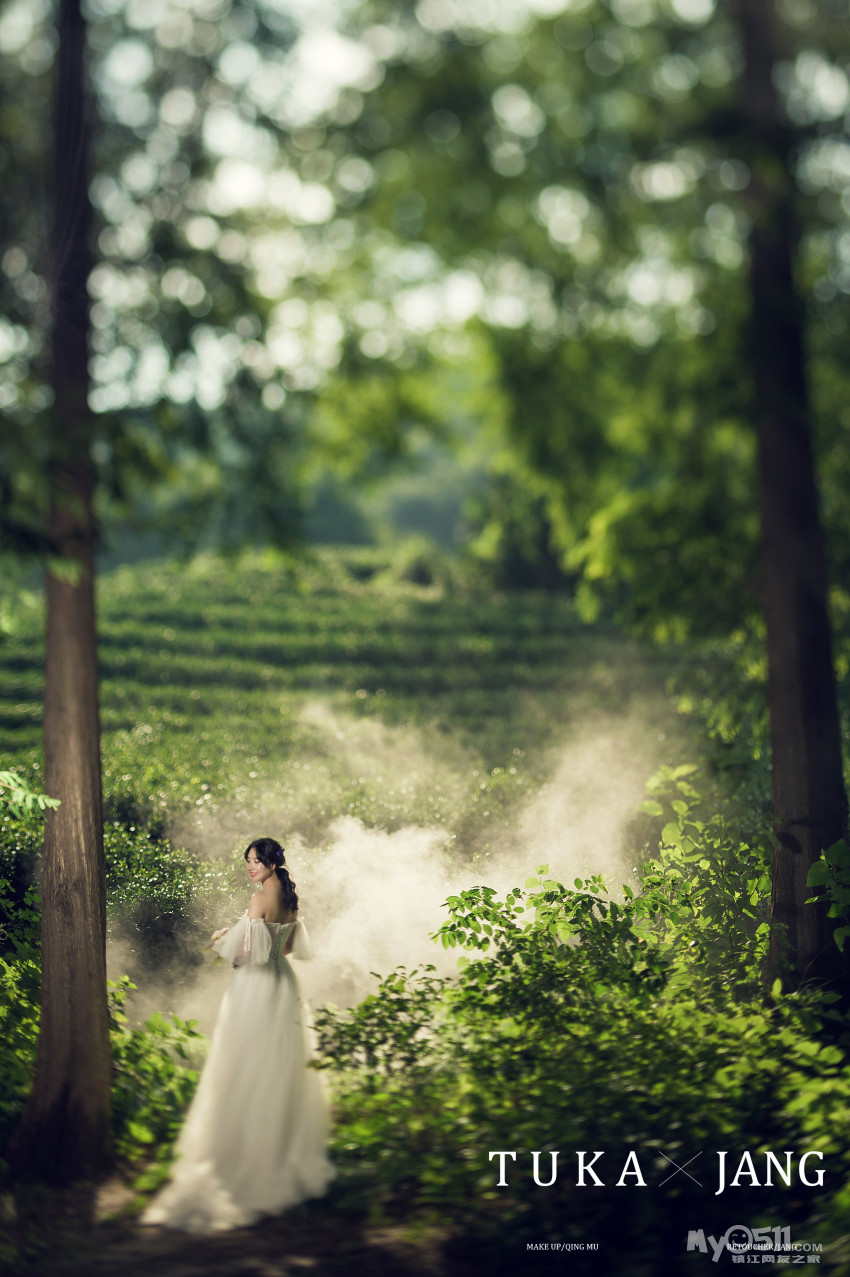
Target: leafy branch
{"x": 17, "y": 797}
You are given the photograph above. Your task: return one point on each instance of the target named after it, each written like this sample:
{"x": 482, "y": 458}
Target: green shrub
{"x": 706, "y": 893}
{"x": 19, "y": 798}
{"x": 586, "y": 1023}
{"x": 20, "y": 982}
{"x": 153, "y": 1078}
{"x": 832, "y": 873}
{"x": 20, "y": 849}
{"x": 159, "y": 892}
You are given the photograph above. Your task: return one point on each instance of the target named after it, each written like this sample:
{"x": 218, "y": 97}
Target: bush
{"x": 20, "y": 849}
{"x": 159, "y": 892}
{"x": 20, "y": 983}
{"x": 586, "y": 1023}
{"x": 831, "y": 873}
{"x": 153, "y": 1078}
{"x": 417, "y": 561}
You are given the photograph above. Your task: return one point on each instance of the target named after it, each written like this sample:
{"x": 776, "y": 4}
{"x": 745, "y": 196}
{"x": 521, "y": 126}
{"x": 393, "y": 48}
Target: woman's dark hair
{"x": 270, "y": 853}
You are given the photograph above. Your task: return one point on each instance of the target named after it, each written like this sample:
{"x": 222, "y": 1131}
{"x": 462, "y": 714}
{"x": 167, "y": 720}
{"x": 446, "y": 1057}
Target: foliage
{"x": 156, "y": 891}
{"x": 20, "y": 847}
{"x": 20, "y": 980}
{"x": 17, "y": 797}
{"x": 153, "y": 1078}
{"x": 605, "y": 208}
{"x": 20, "y": 963}
{"x": 211, "y": 463}
{"x": 582, "y": 1022}
{"x": 417, "y": 561}
{"x": 397, "y": 646}
{"x": 832, "y": 873}
{"x": 512, "y": 533}
{"x": 706, "y": 892}
{"x": 646, "y": 492}
{"x": 539, "y": 225}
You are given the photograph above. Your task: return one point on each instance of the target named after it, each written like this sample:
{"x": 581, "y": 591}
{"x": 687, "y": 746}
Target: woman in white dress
{"x": 253, "y": 1142}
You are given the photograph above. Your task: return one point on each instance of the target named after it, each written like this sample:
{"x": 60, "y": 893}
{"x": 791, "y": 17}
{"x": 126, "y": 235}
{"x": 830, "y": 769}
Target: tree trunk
{"x": 809, "y": 800}
{"x": 64, "y": 1131}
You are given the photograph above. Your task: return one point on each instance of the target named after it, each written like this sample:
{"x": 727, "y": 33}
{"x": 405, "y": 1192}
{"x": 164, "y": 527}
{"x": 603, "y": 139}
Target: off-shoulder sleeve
{"x": 248, "y": 943}
{"x": 301, "y": 947}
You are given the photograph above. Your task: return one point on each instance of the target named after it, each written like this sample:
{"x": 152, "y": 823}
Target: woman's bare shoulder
{"x": 258, "y": 907}
{"x": 268, "y": 906}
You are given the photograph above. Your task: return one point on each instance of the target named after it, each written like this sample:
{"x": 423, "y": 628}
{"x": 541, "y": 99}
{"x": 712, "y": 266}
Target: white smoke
{"x": 372, "y": 898}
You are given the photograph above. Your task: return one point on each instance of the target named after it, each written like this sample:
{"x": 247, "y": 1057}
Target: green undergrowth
{"x": 165, "y": 897}
{"x": 579, "y": 1022}
{"x": 154, "y": 1073}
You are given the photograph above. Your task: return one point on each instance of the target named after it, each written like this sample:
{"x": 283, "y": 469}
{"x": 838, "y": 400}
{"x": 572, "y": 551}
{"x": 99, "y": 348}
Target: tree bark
{"x": 64, "y": 1131}
{"x": 809, "y": 800}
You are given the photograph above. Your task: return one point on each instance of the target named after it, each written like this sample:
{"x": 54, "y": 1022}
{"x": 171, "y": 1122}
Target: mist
{"x": 372, "y": 898}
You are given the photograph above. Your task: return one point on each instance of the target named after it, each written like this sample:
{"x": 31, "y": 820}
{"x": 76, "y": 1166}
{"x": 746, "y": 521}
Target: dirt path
{"x": 283, "y": 1248}
{"x": 312, "y": 1240}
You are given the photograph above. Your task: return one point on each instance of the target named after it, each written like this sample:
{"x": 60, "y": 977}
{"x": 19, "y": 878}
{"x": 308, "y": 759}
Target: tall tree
{"x": 809, "y": 800}
{"x": 64, "y": 1130}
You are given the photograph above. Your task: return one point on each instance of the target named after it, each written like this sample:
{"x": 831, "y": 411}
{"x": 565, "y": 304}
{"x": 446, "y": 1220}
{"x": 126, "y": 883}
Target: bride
{"x": 253, "y": 1142}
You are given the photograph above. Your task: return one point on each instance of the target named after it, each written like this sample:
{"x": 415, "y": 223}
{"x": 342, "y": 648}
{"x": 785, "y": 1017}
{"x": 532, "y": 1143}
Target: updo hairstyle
{"x": 270, "y": 853}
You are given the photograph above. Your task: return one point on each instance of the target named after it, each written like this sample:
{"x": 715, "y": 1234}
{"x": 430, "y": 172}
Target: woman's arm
{"x": 247, "y": 943}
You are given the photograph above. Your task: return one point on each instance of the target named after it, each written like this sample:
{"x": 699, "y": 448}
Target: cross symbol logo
{"x": 679, "y": 1168}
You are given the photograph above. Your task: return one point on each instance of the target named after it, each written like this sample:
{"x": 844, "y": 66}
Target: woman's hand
{"x": 216, "y": 935}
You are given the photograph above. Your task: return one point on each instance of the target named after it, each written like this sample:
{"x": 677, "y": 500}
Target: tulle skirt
{"x": 253, "y": 1142}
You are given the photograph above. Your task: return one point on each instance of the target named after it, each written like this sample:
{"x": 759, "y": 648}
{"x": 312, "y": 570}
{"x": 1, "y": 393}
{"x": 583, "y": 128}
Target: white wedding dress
{"x": 253, "y": 1142}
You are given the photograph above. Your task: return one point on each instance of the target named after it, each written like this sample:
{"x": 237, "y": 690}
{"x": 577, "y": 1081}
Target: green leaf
{"x": 141, "y": 1134}
{"x": 838, "y": 854}
{"x": 652, "y": 808}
